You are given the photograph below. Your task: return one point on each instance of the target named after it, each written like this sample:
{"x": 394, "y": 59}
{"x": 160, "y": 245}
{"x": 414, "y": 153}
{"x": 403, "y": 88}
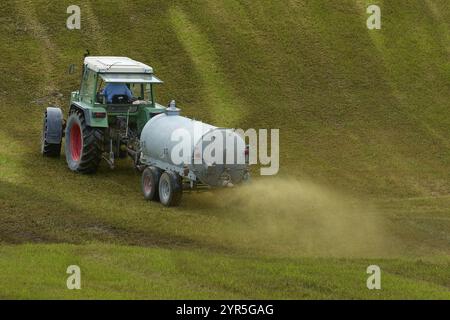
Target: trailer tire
{"x": 170, "y": 189}
{"x": 150, "y": 183}
{"x": 83, "y": 144}
{"x": 52, "y": 132}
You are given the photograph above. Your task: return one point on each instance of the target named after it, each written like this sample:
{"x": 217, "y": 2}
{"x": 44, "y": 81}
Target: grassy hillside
{"x": 365, "y": 152}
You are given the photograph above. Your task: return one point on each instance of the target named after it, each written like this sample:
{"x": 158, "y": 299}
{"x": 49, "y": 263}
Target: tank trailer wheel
{"x": 83, "y": 144}
{"x": 150, "y": 183}
{"x": 170, "y": 189}
{"x": 52, "y": 132}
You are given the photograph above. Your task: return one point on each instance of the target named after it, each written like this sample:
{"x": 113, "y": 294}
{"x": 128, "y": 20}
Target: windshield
{"x": 112, "y": 93}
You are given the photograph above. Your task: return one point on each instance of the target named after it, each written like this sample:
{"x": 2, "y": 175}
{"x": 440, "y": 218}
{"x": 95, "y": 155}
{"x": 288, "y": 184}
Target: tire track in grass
{"x": 95, "y": 31}
{"x": 389, "y": 61}
{"x": 228, "y": 109}
{"x": 443, "y": 26}
{"x": 27, "y": 13}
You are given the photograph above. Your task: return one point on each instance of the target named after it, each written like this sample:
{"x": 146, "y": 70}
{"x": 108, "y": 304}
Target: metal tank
{"x": 160, "y": 137}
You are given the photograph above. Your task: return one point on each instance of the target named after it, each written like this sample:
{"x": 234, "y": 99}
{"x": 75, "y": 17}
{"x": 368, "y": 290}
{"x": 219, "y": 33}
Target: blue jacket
{"x": 113, "y": 89}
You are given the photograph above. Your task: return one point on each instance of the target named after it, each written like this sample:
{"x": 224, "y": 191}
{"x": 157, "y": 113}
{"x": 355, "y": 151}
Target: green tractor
{"x": 115, "y": 115}
{"x": 106, "y": 116}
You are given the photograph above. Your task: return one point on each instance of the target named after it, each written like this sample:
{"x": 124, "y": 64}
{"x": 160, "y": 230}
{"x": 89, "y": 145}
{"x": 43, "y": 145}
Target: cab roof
{"x": 116, "y": 65}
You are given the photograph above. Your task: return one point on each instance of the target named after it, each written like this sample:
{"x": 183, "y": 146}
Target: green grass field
{"x": 364, "y": 152}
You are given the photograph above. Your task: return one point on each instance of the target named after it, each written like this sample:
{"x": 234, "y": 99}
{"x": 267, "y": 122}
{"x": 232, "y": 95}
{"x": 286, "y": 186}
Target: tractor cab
{"x": 115, "y": 87}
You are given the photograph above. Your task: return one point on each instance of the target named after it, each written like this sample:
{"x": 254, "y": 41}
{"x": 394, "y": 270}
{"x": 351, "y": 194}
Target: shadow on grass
{"x": 30, "y": 216}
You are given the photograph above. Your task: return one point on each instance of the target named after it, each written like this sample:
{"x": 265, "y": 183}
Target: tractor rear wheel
{"x": 83, "y": 144}
{"x": 150, "y": 183}
{"x": 170, "y": 189}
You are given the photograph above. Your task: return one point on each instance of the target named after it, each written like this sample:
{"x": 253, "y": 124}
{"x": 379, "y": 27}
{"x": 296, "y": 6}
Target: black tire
{"x": 150, "y": 183}
{"x": 170, "y": 189}
{"x": 49, "y": 149}
{"x": 83, "y": 144}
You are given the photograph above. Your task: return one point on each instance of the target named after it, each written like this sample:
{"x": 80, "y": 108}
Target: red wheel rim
{"x": 75, "y": 142}
{"x": 147, "y": 184}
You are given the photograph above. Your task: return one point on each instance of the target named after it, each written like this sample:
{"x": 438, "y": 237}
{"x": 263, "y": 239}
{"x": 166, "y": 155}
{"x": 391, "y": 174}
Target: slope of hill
{"x": 365, "y": 153}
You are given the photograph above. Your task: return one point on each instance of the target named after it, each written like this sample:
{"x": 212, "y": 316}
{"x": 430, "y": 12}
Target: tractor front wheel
{"x": 52, "y": 132}
{"x": 170, "y": 189}
{"x": 83, "y": 144}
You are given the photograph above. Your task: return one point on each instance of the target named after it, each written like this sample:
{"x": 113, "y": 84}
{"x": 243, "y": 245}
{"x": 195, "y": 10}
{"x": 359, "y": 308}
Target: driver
{"x": 113, "y": 89}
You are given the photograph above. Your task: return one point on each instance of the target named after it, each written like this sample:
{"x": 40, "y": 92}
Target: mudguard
{"x": 88, "y": 112}
{"x": 54, "y": 125}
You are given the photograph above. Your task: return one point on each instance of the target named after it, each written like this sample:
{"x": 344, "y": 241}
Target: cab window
{"x": 88, "y": 86}
{"x": 142, "y": 91}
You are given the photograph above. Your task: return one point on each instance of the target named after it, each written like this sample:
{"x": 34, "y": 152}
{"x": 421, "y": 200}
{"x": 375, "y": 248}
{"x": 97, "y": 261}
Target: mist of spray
{"x": 291, "y": 218}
